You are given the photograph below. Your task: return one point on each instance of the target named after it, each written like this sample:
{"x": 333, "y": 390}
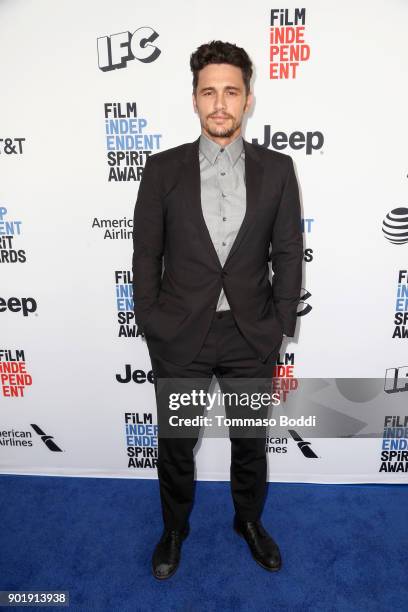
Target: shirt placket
{"x": 223, "y": 168}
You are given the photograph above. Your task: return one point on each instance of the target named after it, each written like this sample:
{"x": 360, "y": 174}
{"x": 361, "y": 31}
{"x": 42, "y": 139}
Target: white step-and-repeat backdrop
{"x": 89, "y": 91}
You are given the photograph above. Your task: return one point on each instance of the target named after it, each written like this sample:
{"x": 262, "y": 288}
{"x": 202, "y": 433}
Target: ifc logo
{"x": 395, "y": 226}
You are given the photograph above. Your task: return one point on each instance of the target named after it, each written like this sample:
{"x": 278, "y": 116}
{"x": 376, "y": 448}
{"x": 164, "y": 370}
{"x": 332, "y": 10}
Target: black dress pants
{"x": 227, "y": 354}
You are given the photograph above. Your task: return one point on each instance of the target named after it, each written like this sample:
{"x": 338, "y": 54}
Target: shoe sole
{"x": 266, "y": 567}
{"x": 176, "y": 568}
{"x": 161, "y": 578}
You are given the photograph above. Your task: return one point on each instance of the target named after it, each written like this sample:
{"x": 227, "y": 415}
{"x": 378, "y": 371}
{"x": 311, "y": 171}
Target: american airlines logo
{"x": 303, "y": 446}
{"x": 48, "y": 440}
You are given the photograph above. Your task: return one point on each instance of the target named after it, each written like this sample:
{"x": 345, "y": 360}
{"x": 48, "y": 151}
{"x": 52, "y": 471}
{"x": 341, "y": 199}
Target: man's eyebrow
{"x": 226, "y": 87}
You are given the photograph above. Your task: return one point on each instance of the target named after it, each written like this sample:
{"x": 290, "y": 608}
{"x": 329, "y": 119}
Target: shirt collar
{"x": 211, "y": 149}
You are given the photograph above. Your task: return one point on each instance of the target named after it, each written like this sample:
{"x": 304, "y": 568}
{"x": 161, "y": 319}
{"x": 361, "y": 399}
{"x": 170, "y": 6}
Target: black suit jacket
{"x": 174, "y": 309}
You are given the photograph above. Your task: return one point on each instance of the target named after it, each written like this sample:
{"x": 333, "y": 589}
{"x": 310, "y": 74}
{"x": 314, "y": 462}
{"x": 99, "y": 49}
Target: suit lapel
{"x": 192, "y": 193}
{"x": 253, "y": 182}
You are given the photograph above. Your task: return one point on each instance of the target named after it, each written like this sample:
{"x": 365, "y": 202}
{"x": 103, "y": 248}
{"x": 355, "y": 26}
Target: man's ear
{"x": 194, "y": 103}
{"x": 248, "y": 103}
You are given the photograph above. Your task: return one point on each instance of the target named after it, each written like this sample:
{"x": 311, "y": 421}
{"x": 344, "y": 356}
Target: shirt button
{"x": 223, "y": 195}
{"x": 224, "y": 244}
{"x": 221, "y": 150}
{"x": 222, "y": 173}
{"x": 224, "y": 218}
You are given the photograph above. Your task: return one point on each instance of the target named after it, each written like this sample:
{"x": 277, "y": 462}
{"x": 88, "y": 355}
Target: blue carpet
{"x": 343, "y": 547}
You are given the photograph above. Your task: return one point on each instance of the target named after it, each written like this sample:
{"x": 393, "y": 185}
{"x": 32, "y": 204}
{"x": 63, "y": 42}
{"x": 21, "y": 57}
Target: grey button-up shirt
{"x": 223, "y": 195}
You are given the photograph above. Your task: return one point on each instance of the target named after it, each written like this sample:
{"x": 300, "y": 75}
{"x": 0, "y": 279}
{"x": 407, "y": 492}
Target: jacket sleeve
{"x": 148, "y": 243}
{"x": 287, "y": 253}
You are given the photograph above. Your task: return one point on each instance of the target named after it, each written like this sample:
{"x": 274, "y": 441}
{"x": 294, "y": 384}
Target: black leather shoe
{"x": 264, "y": 549}
{"x": 166, "y": 556}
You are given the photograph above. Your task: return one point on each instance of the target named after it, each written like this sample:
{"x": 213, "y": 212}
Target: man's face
{"x": 221, "y": 101}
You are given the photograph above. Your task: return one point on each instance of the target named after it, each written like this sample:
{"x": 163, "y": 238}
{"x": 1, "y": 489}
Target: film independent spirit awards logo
{"x": 287, "y": 45}
{"x": 394, "y": 444}
{"x": 128, "y": 141}
{"x": 14, "y": 377}
{"x": 401, "y": 306}
{"x": 141, "y": 440}
{"x": 10, "y": 234}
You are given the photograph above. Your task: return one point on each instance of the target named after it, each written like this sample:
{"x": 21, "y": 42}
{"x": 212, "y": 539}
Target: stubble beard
{"x": 222, "y": 132}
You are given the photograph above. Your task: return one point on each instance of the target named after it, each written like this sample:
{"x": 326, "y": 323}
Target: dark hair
{"x": 218, "y": 52}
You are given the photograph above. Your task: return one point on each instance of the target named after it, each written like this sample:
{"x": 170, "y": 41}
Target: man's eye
{"x": 232, "y": 93}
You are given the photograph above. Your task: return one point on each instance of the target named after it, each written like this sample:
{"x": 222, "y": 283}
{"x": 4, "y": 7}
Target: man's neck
{"x": 219, "y": 140}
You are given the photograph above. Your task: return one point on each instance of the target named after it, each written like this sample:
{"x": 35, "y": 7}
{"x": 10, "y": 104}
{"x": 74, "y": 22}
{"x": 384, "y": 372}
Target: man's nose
{"x": 219, "y": 101}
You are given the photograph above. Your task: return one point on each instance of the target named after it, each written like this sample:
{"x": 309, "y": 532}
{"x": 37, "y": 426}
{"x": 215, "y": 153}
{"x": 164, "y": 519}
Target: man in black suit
{"x": 213, "y": 211}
